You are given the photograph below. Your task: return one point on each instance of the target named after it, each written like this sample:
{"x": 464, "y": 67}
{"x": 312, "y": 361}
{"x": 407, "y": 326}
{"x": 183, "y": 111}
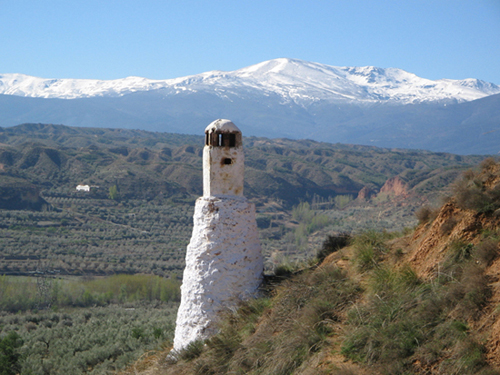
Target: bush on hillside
{"x": 487, "y": 251}
{"x": 369, "y": 248}
{"x": 332, "y": 244}
{"x": 476, "y": 191}
{"x": 9, "y": 355}
{"x": 426, "y": 214}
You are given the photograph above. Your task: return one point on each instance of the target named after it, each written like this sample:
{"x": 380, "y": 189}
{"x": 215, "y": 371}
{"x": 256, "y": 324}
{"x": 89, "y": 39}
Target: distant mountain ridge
{"x": 277, "y": 98}
{"x": 292, "y": 79}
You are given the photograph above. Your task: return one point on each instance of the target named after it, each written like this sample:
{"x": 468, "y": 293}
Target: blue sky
{"x": 162, "y": 39}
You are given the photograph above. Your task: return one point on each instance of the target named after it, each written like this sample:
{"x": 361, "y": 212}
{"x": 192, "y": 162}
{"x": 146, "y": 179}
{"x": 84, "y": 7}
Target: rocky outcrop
{"x": 396, "y": 186}
{"x": 366, "y": 193}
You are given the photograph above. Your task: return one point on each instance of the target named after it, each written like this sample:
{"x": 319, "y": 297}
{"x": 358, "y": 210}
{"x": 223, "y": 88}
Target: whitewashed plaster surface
{"x": 219, "y": 178}
{"x": 223, "y": 167}
{"x": 223, "y": 265}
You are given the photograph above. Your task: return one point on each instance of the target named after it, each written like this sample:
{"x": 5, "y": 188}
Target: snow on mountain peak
{"x": 292, "y": 79}
{"x": 23, "y": 85}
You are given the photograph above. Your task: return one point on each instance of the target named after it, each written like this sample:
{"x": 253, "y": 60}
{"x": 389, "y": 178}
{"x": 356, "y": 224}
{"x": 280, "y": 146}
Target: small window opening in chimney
{"x": 232, "y": 140}
{"x": 227, "y": 161}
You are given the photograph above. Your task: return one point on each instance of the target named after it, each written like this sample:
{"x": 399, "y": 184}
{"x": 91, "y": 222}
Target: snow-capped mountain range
{"x": 276, "y": 98}
{"x": 292, "y": 80}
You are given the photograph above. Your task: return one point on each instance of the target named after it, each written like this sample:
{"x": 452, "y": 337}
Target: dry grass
{"x": 398, "y": 325}
{"x": 426, "y": 214}
{"x": 478, "y": 191}
{"x": 487, "y": 251}
{"x": 406, "y": 321}
{"x": 448, "y": 225}
{"x": 276, "y": 335}
{"x": 148, "y": 364}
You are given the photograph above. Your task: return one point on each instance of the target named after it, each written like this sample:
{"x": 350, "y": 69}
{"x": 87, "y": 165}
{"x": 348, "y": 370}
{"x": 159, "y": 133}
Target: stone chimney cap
{"x": 222, "y": 126}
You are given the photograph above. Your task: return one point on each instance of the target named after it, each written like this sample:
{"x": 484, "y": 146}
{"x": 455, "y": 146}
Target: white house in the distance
{"x": 82, "y": 188}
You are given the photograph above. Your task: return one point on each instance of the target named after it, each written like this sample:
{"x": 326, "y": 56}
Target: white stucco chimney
{"x": 224, "y": 263}
{"x": 223, "y": 160}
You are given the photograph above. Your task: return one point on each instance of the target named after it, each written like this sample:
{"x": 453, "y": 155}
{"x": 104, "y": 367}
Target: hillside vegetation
{"x": 423, "y": 301}
{"x": 143, "y": 165}
{"x": 137, "y": 215}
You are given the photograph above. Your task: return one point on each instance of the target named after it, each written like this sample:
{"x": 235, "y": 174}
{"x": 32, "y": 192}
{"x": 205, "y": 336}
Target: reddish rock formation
{"x": 395, "y": 186}
{"x": 366, "y": 193}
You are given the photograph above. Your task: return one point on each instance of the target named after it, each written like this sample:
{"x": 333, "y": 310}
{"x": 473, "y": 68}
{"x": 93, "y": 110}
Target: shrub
{"x": 369, "y": 248}
{"x": 191, "y": 351}
{"x": 473, "y": 191}
{"x": 285, "y": 269}
{"x": 488, "y": 163}
{"x": 469, "y": 174}
{"x": 332, "y": 244}
{"x": 472, "y": 195}
{"x": 426, "y": 214}
{"x": 468, "y": 358}
{"x": 458, "y": 252}
{"x": 9, "y": 356}
{"x": 137, "y": 333}
{"x": 487, "y": 251}
{"x": 474, "y": 289}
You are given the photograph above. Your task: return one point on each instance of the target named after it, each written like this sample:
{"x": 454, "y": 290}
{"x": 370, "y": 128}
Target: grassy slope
{"x": 420, "y": 303}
